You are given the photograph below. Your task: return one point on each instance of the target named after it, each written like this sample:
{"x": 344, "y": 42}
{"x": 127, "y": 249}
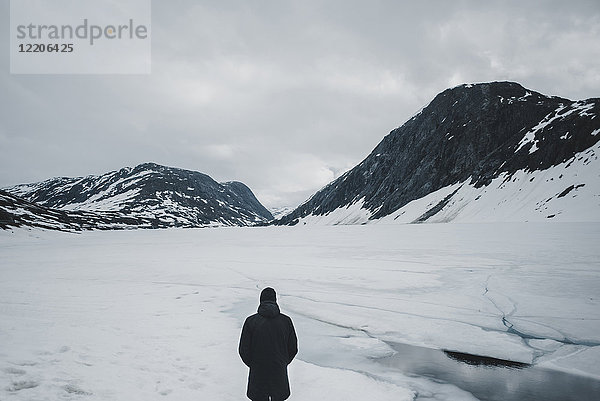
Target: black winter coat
{"x": 267, "y": 345}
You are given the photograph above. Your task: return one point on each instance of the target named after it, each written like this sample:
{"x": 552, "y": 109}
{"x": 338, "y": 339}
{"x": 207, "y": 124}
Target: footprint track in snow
{"x": 72, "y": 389}
{"x": 25, "y": 363}
{"x": 14, "y": 371}
{"x": 21, "y": 385}
{"x": 186, "y": 294}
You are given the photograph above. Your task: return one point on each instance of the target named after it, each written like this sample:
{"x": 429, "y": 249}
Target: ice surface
{"x": 156, "y": 314}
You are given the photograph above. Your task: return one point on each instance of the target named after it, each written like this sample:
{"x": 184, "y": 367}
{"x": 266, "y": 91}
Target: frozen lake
{"x": 145, "y": 315}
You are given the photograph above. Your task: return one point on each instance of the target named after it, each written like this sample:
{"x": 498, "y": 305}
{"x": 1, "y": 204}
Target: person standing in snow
{"x": 268, "y": 344}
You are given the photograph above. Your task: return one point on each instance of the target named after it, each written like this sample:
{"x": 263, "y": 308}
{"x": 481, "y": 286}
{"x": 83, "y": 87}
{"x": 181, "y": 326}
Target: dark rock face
{"x": 151, "y": 196}
{"x": 471, "y": 132}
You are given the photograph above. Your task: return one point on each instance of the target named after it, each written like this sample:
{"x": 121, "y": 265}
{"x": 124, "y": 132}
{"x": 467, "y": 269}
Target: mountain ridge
{"x": 150, "y": 194}
{"x": 470, "y": 133}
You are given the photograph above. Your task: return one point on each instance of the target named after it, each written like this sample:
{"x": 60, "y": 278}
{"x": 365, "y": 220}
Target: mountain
{"x": 279, "y": 212}
{"x": 18, "y": 212}
{"x": 149, "y": 195}
{"x": 484, "y": 152}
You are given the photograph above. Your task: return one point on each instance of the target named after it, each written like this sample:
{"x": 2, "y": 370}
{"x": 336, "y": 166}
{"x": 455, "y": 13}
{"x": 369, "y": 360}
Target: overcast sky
{"x": 285, "y": 95}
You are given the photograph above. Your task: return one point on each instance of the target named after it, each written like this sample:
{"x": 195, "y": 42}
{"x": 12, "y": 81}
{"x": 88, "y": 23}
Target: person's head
{"x": 268, "y": 295}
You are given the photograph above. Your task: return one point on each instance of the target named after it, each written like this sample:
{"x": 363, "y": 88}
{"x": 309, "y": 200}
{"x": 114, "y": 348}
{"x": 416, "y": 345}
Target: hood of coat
{"x": 268, "y": 309}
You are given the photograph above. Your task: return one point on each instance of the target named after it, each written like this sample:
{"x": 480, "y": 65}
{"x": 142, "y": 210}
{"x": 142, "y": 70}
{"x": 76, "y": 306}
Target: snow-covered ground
{"x": 156, "y": 314}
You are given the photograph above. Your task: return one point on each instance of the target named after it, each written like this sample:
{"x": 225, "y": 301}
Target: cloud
{"x": 285, "y": 96}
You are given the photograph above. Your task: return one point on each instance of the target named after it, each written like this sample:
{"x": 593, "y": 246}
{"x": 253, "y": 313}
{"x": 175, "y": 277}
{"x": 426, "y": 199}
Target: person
{"x": 268, "y": 344}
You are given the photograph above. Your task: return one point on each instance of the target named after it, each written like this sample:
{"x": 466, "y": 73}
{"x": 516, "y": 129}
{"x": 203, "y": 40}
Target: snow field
{"x": 156, "y": 314}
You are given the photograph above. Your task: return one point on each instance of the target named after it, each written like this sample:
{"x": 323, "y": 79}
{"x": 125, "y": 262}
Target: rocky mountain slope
{"x": 17, "y": 212}
{"x": 485, "y": 152}
{"x": 149, "y": 195}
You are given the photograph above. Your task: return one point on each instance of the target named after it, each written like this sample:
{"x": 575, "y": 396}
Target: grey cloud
{"x": 286, "y": 96}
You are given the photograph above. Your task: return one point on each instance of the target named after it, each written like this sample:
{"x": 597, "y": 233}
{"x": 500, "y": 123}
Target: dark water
{"x": 492, "y": 379}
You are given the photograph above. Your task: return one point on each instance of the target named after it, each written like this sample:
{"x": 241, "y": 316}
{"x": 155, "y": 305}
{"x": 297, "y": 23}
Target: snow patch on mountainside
{"x": 351, "y": 214}
{"x": 417, "y": 208}
{"x": 567, "y": 192}
{"x": 105, "y": 201}
{"x": 582, "y": 108}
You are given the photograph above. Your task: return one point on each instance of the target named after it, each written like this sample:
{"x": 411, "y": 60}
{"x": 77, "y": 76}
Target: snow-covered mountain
{"x": 18, "y": 212}
{"x": 279, "y": 212}
{"x": 149, "y": 195}
{"x": 485, "y": 152}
